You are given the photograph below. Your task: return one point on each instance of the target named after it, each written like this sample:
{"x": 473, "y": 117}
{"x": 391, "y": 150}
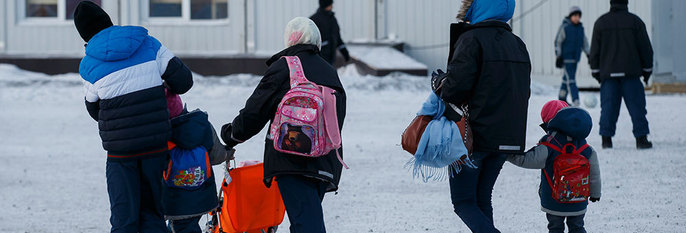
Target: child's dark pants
{"x": 135, "y": 189}
{"x": 188, "y": 225}
{"x": 556, "y": 224}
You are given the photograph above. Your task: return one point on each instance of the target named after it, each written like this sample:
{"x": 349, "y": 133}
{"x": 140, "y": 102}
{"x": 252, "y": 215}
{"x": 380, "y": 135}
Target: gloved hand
{"x": 594, "y": 199}
{"x": 437, "y": 79}
{"x": 346, "y": 55}
{"x": 596, "y": 76}
{"x": 559, "y": 62}
{"x": 225, "y": 134}
{"x": 646, "y": 76}
{"x": 230, "y": 154}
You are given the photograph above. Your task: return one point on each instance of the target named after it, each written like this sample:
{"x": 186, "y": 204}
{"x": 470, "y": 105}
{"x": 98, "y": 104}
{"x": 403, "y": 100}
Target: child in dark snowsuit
{"x": 182, "y": 207}
{"x": 568, "y": 125}
{"x": 569, "y": 43}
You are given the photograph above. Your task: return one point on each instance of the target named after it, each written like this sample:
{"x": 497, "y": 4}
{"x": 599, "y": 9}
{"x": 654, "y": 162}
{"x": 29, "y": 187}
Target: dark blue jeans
{"x": 135, "y": 190}
{"x": 611, "y": 93}
{"x": 470, "y": 191}
{"x": 569, "y": 83}
{"x": 303, "y": 197}
{"x": 188, "y": 225}
{"x": 556, "y": 224}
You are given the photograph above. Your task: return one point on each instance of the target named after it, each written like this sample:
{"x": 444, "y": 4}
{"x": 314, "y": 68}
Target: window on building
{"x": 71, "y": 6}
{"x": 165, "y": 8}
{"x": 209, "y": 9}
{"x": 53, "y": 9}
{"x": 41, "y": 8}
{"x": 189, "y": 9}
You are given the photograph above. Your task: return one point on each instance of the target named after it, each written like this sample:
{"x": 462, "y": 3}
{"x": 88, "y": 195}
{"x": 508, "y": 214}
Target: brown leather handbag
{"x": 413, "y": 132}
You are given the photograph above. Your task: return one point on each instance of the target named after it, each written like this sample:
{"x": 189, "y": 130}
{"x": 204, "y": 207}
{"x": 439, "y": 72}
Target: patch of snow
{"x": 53, "y": 166}
{"x": 382, "y": 57}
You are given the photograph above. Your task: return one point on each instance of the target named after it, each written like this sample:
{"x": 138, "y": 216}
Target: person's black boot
{"x": 607, "y": 142}
{"x": 643, "y": 143}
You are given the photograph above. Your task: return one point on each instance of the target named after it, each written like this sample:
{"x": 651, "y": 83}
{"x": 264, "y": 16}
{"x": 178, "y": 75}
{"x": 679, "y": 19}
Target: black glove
{"x": 346, "y": 55}
{"x": 559, "y": 62}
{"x": 594, "y": 199}
{"x": 437, "y": 79}
{"x": 646, "y": 76}
{"x": 596, "y": 76}
{"x": 226, "y": 132}
{"x": 230, "y": 154}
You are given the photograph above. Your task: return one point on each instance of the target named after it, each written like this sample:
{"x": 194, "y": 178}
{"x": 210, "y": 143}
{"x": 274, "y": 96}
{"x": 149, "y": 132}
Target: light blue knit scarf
{"x": 441, "y": 148}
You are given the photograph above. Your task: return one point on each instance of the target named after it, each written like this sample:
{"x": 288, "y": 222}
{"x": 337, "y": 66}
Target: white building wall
{"x": 538, "y": 29}
{"x": 3, "y": 24}
{"x": 43, "y": 37}
{"x": 355, "y": 17}
{"x": 425, "y": 28}
{"x": 195, "y": 37}
{"x": 256, "y": 27}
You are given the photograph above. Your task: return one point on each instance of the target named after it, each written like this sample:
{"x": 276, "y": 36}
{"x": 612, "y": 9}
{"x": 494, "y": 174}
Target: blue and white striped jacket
{"x": 125, "y": 72}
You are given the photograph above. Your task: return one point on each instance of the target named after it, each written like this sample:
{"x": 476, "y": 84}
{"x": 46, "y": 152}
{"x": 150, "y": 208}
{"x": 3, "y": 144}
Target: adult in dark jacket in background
{"x": 303, "y": 181}
{"x": 569, "y": 43}
{"x": 330, "y": 32}
{"x": 125, "y": 71}
{"x": 489, "y": 71}
{"x": 620, "y": 54}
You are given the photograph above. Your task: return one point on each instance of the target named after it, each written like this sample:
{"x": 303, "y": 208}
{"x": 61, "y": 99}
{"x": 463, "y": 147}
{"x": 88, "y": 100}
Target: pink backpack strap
{"x": 296, "y": 70}
{"x": 331, "y": 121}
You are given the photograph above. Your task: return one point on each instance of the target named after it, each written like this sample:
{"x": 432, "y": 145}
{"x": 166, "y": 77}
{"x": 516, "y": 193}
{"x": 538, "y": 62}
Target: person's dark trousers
{"x": 187, "y": 225}
{"x": 470, "y": 191}
{"x": 135, "y": 190}
{"x": 611, "y": 93}
{"x": 303, "y": 197}
{"x": 569, "y": 83}
{"x": 556, "y": 224}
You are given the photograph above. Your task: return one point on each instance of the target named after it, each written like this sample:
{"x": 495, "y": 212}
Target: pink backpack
{"x": 306, "y": 122}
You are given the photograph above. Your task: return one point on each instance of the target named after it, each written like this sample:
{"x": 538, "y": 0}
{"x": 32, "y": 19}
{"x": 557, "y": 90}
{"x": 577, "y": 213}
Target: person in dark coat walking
{"x": 330, "y": 32}
{"x": 569, "y": 43}
{"x": 489, "y": 71}
{"x": 125, "y": 72}
{"x": 303, "y": 181}
{"x": 620, "y": 54}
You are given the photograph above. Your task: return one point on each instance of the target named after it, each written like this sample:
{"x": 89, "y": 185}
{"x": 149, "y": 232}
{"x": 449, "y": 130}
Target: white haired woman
{"x": 303, "y": 181}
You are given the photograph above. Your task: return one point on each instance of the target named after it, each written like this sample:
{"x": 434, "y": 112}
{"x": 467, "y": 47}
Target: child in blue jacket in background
{"x": 568, "y": 125}
{"x": 569, "y": 43}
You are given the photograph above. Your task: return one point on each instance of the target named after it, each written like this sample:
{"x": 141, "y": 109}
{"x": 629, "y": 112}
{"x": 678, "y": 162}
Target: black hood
{"x": 457, "y": 29}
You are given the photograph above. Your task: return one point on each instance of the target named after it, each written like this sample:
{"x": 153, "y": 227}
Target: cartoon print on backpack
{"x": 295, "y": 139}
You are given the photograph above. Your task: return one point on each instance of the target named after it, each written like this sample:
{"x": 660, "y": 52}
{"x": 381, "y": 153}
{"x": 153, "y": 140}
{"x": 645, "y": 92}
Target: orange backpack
{"x": 247, "y": 206}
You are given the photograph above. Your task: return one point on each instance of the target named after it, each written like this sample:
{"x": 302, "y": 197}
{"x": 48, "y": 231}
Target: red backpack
{"x": 571, "y": 174}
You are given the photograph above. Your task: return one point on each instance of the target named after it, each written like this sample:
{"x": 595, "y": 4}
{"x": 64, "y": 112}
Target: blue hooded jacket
{"x": 568, "y": 123}
{"x": 482, "y": 10}
{"x": 116, "y": 48}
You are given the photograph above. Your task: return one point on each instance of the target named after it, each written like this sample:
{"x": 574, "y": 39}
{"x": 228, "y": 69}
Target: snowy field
{"x": 52, "y": 174}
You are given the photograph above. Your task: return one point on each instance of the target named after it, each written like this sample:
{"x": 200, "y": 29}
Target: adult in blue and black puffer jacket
{"x": 125, "y": 71}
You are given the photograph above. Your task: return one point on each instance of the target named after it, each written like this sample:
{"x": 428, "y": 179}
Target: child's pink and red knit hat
{"x": 174, "y": 103}
{"x": 551, "y": 108}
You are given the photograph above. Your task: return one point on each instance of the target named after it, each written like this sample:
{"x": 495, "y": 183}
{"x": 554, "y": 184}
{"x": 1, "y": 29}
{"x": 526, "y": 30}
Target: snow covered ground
{"x": 52, "y": 165}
